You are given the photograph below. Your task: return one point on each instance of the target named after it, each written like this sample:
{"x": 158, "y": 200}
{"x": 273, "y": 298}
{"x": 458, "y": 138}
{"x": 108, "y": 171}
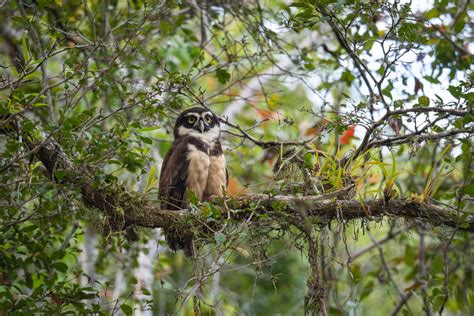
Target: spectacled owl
{"x": 195, "y": 163}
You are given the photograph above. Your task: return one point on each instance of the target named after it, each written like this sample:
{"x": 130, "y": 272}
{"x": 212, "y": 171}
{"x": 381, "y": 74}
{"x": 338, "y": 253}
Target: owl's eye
{"x": 208, "y": 119}
{"x": 191, "y": 120}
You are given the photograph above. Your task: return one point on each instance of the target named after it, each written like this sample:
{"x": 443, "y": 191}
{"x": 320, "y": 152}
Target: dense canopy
{"x": 348, "y": 132}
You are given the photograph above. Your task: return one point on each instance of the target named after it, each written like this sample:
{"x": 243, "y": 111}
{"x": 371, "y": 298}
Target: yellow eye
{"x": 191, "y": 120}
{"x": 208, "y": 119}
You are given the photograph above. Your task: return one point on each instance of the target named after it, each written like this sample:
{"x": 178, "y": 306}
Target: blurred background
{"x": 297, "y": 85}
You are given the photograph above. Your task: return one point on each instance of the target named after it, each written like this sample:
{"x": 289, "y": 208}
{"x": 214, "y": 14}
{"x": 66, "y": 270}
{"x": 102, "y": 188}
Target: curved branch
{"x": 411, "y": 137}
{"x": 265, "y": 144}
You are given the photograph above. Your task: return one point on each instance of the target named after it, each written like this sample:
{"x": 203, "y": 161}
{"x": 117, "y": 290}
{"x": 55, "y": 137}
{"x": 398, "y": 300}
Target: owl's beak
{"x": 199, "y": 126}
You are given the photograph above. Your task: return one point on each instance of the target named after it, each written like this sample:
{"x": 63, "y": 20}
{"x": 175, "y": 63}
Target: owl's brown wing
{"x": 173, "y": 180}
{"x": 173, "y": 177}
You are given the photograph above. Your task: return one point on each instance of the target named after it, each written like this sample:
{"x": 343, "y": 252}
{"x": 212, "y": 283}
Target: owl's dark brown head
{"x": 198, "y": 122}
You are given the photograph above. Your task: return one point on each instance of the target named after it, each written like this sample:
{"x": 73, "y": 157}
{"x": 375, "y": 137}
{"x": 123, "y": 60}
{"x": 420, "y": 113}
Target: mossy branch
{"x": 128, "y": 209}
{"x": 320, "y": 211}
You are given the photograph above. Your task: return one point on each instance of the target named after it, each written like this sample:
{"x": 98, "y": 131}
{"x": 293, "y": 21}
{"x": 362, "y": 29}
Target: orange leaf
{"x": 348, "y": 135}
{"x": 266, "y": 114}
{"x": 316, "y": 128}
{"x": 374, "y": 178}
{"x": 235, "y": 188}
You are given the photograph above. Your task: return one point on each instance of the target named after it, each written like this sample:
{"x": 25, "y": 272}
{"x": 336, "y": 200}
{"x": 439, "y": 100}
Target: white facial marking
{"x": 183, "y": 131}
{"x": 192, "y": 114}
{"x": 209, "y": 137}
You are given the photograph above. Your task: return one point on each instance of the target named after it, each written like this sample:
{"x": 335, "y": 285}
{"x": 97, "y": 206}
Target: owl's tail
{"x": 180, "y": 241}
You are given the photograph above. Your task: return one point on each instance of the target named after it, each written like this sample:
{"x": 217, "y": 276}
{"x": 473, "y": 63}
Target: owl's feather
{"x": 173, "y": 178}
{"x": 195, "y": 163}
{"x": 172, "y": 192}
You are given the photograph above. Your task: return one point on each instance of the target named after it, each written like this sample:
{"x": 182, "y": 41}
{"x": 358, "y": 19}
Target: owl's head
{"x": 198, "y": 122}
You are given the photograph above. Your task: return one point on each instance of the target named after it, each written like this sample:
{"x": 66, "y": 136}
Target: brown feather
{"x": 173, "y": 179}
{"x": 193, "y": 163}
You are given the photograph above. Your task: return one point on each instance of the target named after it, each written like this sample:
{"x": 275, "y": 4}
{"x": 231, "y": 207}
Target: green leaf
{"x": 431, "y": 79}
{"x": 347, "y": 77}
{"x": 461, "y": 23}
{"x": 192, "y": 197}
{"x": 366, "y": 290}
{"x": 126, "y": 309}
{"x": 433, "y": 13}
{"x": 222, "y": 76}
{"x": 356, "y": 273}
{"x": 83, "y": 295}
{"x": 146, "y": 140}
{"x": 26, "y": 53}
{"x": 220, "y": 238}
{"x": 455, "y": 91}
{"x": 387, "y": 91}
{"x": 469, "y": 190}
{"x": 424, "y": 101}
{"x": 61, "y": 267}
{"x": 407, "y": 32}
{"x": 147, "y": 129}
{"x": 151, "y": 180}
{"x": 300, "y": 5}
{"x": 59, "y": 174}
{"x": 410, "y": 255}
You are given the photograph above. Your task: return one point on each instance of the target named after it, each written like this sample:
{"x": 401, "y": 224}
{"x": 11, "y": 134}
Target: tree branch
{"x": 315, "y": 208}
{"x": 132, "y": 208}
{"x": 403, "y": 139}
{"x": 367, "y": 144}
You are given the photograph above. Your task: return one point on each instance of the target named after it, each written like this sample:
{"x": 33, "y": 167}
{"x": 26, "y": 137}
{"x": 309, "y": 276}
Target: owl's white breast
{"x": 198, "y": 170}
{"x": 216, "y": 181}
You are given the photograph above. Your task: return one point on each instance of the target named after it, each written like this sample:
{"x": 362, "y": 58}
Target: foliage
{"x": 348, "y": 100}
